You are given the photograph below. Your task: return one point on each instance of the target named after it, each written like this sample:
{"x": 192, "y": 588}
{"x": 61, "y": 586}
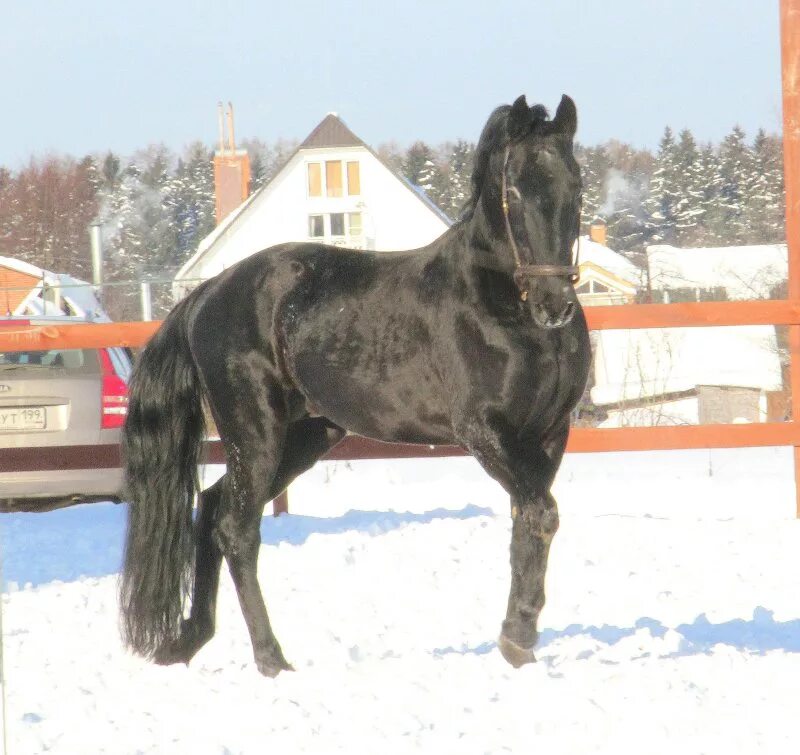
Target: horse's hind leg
{"x": 238, "y": 531}
{"x": 198, "y": 628}
{"x": 306, "y": 441}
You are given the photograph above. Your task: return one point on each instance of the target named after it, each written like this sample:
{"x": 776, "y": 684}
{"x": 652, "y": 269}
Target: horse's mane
{"x": 493, "y": 136}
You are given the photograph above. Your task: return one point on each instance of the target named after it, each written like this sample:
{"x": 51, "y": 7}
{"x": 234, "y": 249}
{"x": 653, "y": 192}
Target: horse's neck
{"x": 486, "y": 244}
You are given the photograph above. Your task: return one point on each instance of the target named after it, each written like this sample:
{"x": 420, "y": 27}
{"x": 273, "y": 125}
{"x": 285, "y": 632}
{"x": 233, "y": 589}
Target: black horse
{"x": 476, "y": 340}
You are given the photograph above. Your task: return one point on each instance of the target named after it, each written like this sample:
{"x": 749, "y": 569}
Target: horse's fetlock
{"x": 540, "y": 522}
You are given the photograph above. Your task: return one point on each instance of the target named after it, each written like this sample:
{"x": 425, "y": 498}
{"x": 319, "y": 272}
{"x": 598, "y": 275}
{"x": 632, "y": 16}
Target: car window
{"x": 53, "y": 359}
{"x": 121, "y": 363}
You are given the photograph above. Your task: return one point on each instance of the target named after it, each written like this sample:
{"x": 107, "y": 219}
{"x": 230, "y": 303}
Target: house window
{"x": 354, "y": 223}
{"x": 337, "y": 224}
{"x": 314, "y": 180}
{"x": 592, "y": 287}
{"x": 333, "y": 185}
{"x": 316, "y": 226}
{"x": 333, "y": 178}
{"x": 353, "y": 179}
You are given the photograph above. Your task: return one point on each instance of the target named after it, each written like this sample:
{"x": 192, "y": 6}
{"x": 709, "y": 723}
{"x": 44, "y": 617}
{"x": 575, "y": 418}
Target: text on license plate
{"x": 23, "y": 418}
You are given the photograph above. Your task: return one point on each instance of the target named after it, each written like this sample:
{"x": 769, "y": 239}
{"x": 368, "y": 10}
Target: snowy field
{"x": 672, "y": 623}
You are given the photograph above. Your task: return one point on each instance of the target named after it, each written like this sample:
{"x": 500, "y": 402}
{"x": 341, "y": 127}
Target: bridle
{"x": 523, "y": 273}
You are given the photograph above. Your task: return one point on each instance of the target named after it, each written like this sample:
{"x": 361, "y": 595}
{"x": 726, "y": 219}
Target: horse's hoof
{"x": 515, "y": 654}
{"x": 169, "y": 654}
{"x": 272, "y": 668}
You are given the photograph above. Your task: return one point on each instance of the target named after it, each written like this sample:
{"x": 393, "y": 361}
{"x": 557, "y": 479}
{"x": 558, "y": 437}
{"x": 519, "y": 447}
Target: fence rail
{"x": 614, "y": 317}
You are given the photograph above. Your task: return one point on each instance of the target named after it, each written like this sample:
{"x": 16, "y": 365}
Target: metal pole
{"x": 3, "y": 716}
{"x": 790, "y": 68}
{"x": 96, "y": 237}
{"x": 147, "y": 301}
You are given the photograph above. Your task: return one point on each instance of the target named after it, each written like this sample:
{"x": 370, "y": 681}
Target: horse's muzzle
{"x": 549, "y": 320}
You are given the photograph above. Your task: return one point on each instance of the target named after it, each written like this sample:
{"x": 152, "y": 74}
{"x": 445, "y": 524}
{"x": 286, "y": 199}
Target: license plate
{"x": 23, "y": 418}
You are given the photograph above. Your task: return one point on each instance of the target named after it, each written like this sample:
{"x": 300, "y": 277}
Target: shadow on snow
{"x": 757, "y": 635}
{"x": 87, "y": 540}
{"x": 296, "y": 529}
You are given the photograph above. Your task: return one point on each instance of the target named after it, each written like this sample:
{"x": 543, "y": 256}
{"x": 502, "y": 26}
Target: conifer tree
{"x": 459, "y": 177}
{"x": 689, "y": 208}
{"x": 189, "y": 199}
{"x": 765, "y": 200}
{"x": 417, "y": 156}
{"x": 663, "y": 203}
{"x": 735, "y": 171}
{"x": 594, "y": 165}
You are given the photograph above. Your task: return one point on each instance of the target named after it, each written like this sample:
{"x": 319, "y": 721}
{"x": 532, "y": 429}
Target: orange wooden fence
{"x": 135, "y": 334}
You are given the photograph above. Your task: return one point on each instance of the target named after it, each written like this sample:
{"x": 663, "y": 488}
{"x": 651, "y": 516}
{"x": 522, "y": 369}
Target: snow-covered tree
{"x": 594, "y": 169}
{"x": 664, "y": 196}
{"x": 735, "y": 171}
{"x": 460, "y": 157}
{"x": 765, "y": 211}
{"x": 189, "y": 200}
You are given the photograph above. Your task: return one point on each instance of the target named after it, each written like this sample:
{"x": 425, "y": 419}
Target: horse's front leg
{"x": 526, "y": 470}
{"x": 534, "y": 524}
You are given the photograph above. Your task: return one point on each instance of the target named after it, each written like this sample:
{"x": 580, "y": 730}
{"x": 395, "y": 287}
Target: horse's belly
{"x": 393, "y": 405}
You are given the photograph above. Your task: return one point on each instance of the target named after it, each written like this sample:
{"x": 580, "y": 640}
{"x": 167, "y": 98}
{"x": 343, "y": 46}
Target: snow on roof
{"x": 608, "y": 259}
{"x": 26, "y": 267}
{"x": 634, "y": 364}
{"x": 77, "y": 292}
{"x": 746, "y": 272}
{"x": 425, "y": 199}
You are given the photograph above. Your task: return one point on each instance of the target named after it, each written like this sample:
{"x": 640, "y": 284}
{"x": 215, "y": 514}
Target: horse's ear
{"x": 519, "y": 119}
{"x": 566, "y": 119}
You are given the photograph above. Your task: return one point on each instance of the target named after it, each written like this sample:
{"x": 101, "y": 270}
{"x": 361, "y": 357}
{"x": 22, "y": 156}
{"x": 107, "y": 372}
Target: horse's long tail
{"x": 161, "y": 448}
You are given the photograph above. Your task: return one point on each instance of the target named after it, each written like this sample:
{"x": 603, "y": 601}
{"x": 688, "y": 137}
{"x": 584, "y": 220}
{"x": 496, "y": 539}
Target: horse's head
{"x": 528, "y": 185}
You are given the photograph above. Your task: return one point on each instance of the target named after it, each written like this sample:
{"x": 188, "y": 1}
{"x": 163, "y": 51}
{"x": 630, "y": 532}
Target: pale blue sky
{"x": 85, "y": 76}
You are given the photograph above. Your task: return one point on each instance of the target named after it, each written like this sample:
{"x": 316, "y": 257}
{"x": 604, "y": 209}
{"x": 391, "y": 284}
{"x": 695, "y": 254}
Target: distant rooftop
{"x": 331, "y": 132}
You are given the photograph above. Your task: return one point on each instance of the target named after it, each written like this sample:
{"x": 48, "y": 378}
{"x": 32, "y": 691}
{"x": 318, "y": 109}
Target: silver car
{"x": 61, "y": 414}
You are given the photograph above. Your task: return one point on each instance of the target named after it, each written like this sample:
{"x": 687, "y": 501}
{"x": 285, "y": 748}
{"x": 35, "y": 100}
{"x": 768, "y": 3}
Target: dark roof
{"x": 331, "y": 132}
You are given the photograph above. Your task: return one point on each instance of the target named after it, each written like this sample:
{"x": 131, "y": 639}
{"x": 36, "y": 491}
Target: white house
{"x": 335, "y": 190}
{"x": 743, "y": 272}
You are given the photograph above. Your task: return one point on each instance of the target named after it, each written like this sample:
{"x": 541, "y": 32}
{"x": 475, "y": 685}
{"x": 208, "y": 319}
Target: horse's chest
{"x": 545, "y": 377}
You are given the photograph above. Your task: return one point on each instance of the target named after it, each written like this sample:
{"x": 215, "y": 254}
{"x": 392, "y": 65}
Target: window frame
{"x": 350, "y": 178}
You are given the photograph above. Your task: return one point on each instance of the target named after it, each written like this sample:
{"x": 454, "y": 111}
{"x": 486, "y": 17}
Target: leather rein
{"x": 523, "y": 273}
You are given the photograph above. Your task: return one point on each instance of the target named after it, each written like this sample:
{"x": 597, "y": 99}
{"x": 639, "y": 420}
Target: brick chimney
{"x": 598, "y": 230}
{"x": 231, "y": 170}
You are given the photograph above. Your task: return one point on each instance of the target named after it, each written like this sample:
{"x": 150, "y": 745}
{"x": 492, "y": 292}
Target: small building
{"x": 716, "y": 273}
{"x": 606, "y": 276}
{"x": 334, "y": 190}
{"x": 29, "y": 291}
{"x": 677, "y": 376}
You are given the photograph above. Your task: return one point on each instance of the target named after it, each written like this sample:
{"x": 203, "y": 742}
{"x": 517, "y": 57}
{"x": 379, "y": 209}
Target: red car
{"x": 74, "y": 397}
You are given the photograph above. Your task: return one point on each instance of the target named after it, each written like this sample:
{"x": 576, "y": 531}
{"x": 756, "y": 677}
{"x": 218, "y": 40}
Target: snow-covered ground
{"x": 672, "y": 623}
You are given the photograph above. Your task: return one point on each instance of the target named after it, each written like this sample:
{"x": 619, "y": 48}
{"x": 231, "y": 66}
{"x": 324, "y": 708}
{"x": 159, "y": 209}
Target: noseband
{"x": 523, "y": 273}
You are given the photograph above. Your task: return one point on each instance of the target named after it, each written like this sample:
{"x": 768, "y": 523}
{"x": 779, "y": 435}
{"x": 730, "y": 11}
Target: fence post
{"x": 790, "y": 68}
{"x": 281, "y": 504}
